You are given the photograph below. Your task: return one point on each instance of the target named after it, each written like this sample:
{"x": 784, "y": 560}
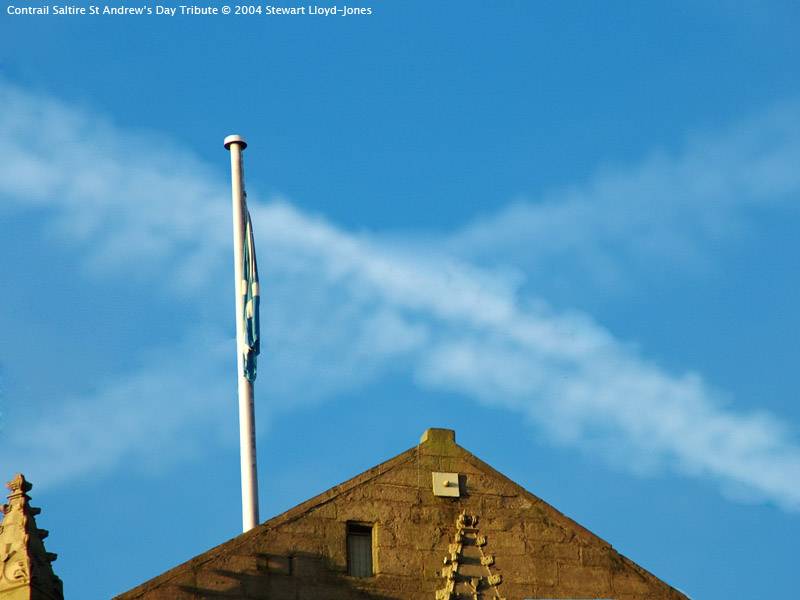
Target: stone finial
{"x": 25, "y": 566}
{"x": 18, "y": 493}
{"x": 19, "y": 485}
{"x": 439, "y": 442}
{"x": 438, "y": 435}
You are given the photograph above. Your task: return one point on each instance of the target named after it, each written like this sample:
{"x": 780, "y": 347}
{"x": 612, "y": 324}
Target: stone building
{"x": 26, "y": 571}
{"x": 433, "y": 523}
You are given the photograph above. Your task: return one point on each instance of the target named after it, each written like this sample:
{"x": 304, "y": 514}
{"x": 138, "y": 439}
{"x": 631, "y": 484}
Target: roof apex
{"x": 438, "y": 450}
{"x": 440, "y": 441}
{"x": 438, "y": 435}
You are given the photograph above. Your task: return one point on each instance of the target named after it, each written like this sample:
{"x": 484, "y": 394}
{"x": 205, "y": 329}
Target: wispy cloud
{"x": 150, "y": 419}
{"x": 669, "y": 212}
{"x": 345, "y": 309}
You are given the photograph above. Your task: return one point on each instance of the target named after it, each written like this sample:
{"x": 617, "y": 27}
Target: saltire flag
{"x": 251, "y": 295}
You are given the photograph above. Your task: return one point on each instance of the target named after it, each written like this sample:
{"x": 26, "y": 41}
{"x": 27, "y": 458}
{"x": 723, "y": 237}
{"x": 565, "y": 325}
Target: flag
{"x": 251, "y": 296}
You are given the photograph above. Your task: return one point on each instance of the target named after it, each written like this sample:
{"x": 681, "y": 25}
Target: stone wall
{"x": 495, "y": 540}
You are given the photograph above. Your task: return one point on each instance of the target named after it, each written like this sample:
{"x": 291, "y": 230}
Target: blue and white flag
{"x": 251, "y": 295}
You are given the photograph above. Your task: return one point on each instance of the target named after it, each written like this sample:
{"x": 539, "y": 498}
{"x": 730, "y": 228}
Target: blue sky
{"x": 568, "y": 232}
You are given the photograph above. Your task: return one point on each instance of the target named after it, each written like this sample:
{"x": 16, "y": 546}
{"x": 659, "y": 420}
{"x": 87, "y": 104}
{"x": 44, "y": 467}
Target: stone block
{"x": 384, "y": 536}
{"x": 588, "y": 581}
{"x": 326, "y": 511}
{"x": 545, "y": 572}
{"x": 543, "y": 531}
{"x": 501, "y": 520}
{"x": 308, "y": 566}
{"x": 527, "y": 571}
{"x": 405, "y": 475}
{"x": 308, "y": 524}
{"x": 399, "y": 561}
{"x": 273, "y": 587}
{"x": 218, "y": 581}
{"x": 489, "y": 503}
{"x": 564, "y": 552}
{"x": 518, "y": 503}
{"x": 628, "y": 581}
{"x": 592, "y": 556}
{"x": 505, "y": 542}
{"x": 430, "y": 538}
{"x": 371, "y": 511}
{"x": 382, "y": 492}
{"x": 387, "y": 586}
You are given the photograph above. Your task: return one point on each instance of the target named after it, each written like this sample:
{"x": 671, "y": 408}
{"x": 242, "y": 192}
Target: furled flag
{"x": 251, "y": 296}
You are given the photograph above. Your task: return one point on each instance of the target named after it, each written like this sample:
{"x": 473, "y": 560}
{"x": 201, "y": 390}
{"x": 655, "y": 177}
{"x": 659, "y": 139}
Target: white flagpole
{"x": 247, "y": 429}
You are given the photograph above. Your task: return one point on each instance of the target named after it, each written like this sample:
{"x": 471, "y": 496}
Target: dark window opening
{"x": 278, "y": 564}
{"x": 359, "y": 550}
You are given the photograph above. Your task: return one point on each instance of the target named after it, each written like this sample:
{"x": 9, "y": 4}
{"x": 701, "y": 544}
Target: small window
{"x": 359, "y": 550}
{"x": 278, "y": 564}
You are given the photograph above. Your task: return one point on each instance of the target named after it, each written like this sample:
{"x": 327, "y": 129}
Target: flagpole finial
{"x": 234, "y": 139}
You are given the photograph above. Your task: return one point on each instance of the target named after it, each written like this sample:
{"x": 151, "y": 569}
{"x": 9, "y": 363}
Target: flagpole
{"x": 247, "y": 430}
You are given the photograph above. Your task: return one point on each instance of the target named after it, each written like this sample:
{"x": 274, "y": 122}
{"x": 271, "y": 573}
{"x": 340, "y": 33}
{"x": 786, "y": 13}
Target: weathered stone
{"x": 596, "y": 556}
{"x": 563, "y": 552}
{"x": 393, "y": 493}
{"x": 217, "y": 581}
{"x": 497, "y": 540}
{"x": 542, "y": 531}
{"x": 629, "y": 581}
{"x": 26, "y": 572}
{"x": 384, "y": 536}
{"x": 580, "y": 578}
{"x": 326, "y": 511}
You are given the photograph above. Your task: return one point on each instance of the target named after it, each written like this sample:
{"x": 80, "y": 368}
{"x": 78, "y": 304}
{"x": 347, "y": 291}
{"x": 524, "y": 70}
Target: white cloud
{"x": 636, "y": 221}
{"x": 151, "y": 418}
{"x": 346, "y": 309}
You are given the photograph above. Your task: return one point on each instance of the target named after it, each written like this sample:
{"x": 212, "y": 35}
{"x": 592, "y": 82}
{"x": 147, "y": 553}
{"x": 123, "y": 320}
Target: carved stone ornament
{"x": 23, "y": 558}
{"x": 467, "y": 572}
